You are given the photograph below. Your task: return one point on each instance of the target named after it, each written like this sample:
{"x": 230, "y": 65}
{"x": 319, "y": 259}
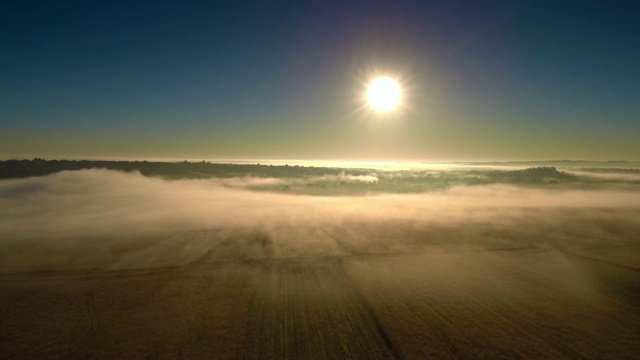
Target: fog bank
{"x": 108, "y": 203}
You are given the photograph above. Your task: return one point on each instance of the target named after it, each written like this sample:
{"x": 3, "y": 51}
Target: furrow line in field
{"x": 309, "y": 310}
{"x": 379, "y": 327}
{"x": 499, "y": 323}
{"x": 584, "y": 305}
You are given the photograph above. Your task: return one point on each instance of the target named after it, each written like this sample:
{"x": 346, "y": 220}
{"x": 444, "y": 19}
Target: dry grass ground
{"x": 374, "y": 291}
{"x": 503, "y": 305}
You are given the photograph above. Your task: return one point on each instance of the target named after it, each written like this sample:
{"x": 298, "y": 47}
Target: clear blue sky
{"x": 482, "y": 80}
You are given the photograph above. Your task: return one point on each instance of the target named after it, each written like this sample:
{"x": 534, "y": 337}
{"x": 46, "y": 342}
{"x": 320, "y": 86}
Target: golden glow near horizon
{"x": 384, "y": 94}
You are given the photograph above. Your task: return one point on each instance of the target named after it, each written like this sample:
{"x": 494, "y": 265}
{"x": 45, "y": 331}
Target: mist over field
{"x": 99, "y": 202}
{"x": 319, "y": 180}
{"x": 288, "y": 261}
{"x": 96, "y": 209}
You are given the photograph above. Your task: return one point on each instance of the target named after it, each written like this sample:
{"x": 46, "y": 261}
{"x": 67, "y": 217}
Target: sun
{"x": 384, "y": 94}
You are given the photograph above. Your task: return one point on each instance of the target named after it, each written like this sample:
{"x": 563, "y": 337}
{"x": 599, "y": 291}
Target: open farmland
{"x": 360, "y": 290}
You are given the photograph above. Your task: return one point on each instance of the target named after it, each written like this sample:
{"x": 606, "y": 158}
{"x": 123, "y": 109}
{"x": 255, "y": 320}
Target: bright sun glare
{"x": 384, "y": 94}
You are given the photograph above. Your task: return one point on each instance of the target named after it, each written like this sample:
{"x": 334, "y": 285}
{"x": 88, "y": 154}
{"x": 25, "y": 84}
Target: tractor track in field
{"x": 379, "y": 327}
{"x": 379, "y": 305}
{"x": 313, "y": 310}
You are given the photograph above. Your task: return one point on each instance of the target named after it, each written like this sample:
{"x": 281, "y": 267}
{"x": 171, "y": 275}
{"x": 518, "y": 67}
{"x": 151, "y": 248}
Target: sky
{"x": 481, "y": 80}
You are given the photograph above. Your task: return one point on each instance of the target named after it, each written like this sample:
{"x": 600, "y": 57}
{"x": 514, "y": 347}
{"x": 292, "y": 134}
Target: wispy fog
{"x": 112, "y": 203}
{"x": 258, "y": 182}
{"x": 122, "y": 250}
{"x": 608, "y": 175}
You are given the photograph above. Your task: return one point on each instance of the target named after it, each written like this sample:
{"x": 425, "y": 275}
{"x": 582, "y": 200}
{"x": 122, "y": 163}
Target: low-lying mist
{"x": 98, "y": 207}
{"x": 104, "y": 202}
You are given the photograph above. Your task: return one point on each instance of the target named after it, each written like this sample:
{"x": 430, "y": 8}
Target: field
{"x": 383, "y": 290}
